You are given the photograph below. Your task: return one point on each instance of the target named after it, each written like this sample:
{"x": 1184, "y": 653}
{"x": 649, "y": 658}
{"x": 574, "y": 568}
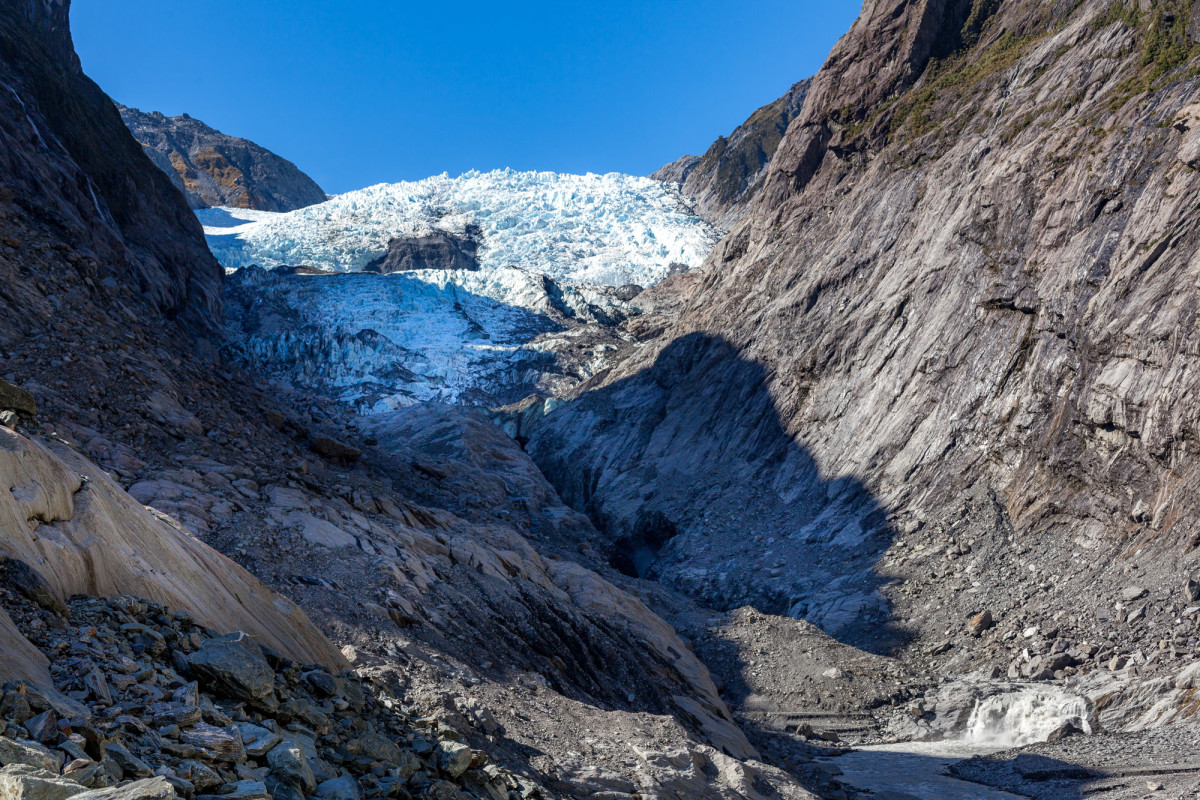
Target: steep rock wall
{"x": 70, "y": 168}
{"x": 969, "y": 284}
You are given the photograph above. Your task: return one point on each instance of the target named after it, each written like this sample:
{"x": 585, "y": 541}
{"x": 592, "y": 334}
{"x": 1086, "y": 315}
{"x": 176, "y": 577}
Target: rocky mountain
{"x": 214, "y": 169}
{"x": 940, "y": 370}
{"x": 723, "y": 180}
{"x": 907, "y": 459}
{"x": 213, "y": 585}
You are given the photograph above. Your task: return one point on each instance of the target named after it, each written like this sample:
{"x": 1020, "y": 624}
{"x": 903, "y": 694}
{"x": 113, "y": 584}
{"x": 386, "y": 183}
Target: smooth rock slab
{"x": 148, "y": 789}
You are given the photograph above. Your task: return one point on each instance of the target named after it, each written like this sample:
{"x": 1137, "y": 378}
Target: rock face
{"x": 959, "y": 289}
{"x": 723, "y": 180}
{"x": 82, "y": 533}
{"x": 438, "y": 250}
{"x": 72, "y": 170}
{"x": 213, "y": 169}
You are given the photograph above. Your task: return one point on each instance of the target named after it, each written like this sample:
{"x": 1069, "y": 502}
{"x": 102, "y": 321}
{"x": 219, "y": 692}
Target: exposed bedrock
{"x": 435, "y": 250}
{"x": 952, "y": 338}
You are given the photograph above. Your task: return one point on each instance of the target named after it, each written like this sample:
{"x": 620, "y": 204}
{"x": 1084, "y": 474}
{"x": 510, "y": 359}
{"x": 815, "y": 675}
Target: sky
{"x": 359, "y": 92}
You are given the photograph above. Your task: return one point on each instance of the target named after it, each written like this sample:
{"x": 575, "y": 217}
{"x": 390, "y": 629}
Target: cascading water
{"x": 1015, "y": 719}
{"x": 1001, "y": 716}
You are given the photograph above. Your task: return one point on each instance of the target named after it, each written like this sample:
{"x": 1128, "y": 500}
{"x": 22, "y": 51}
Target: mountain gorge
{"x": 942, "y": 355}
{"x": 520, "y": 485}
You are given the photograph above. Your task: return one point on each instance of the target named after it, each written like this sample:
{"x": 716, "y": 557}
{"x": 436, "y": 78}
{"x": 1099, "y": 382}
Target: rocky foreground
{"x": 909, "y": 459}
{"x": 150, "y": 705}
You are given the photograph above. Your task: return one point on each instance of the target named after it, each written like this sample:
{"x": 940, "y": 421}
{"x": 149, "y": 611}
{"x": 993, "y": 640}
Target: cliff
{"x": 726, "y": 177}
{"x": 946, "y": 358}
{"x": 71, "y": 170}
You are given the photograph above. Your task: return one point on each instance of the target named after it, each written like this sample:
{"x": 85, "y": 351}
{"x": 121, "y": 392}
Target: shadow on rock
{"x": 689, "y": 471}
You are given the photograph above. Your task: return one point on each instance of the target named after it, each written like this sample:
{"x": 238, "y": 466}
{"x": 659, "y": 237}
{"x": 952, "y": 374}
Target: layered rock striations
{"x": 953, "y": 333}
{"x": 214, "y": 169}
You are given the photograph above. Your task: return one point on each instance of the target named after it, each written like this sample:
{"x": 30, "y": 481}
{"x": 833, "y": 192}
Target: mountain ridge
{"x": 214, "y": 169}
{"x": 723, "y": 180}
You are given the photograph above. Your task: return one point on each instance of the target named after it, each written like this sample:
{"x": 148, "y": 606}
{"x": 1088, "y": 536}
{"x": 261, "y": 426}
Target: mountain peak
{"x": 214, "y": 169}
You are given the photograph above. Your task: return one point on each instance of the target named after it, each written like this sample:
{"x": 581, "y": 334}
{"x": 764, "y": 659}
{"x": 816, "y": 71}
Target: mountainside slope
{"x": 965, "y": 294}
{"x": 214, "y": 169}
{"x": 723, "y": 180}
{"x": 71, "y": 169}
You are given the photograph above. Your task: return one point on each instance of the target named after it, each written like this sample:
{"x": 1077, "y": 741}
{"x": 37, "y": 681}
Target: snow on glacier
{"x": 552, "y": 246}
{"x": 609, "y": 229}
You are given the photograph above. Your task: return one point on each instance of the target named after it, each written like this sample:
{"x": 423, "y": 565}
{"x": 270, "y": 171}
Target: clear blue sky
{"x": 358, "y": 92}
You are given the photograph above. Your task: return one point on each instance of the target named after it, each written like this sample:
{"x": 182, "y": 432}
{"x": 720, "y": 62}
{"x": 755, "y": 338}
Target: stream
{"x": 999, "y": 722}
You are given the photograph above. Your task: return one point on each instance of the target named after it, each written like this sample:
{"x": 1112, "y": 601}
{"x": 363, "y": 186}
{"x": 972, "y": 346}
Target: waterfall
{"x": 1014, "y": 719}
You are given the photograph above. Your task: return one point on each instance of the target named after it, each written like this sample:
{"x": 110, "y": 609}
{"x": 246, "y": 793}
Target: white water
{"x": 999, "y": 722}
{"x": 1015, "y": 719}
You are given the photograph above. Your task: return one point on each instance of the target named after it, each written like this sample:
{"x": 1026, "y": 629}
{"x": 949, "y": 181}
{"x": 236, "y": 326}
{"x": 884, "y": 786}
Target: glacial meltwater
{"x": 998, "y": 722}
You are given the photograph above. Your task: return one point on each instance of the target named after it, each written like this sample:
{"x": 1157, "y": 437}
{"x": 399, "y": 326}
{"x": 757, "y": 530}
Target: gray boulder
{"x": 20, "y": 751}
{"x": 290, "y": 766}
{"x": 148, "y": 789}
{"x": 453, "y": 758}
{"x": 343, "y": 788}
{"x": 23, "y": 782}
{"x": 234, "y": 666}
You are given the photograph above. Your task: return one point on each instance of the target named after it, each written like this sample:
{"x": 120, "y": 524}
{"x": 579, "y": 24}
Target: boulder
{"x": 257, "y": 740}
{"x": 453, "y": 758}
{"x": 290, "y": 766}
{"x": 979, "y": 623}
{"x": 15, "y": 398}
{"x": 234, "y": 666}
{"x": 148, "y": 789}
{"x": 23, "y": 782}
{"x": 334, "y": 450}
{"x": 17, "y": 751}
{"x": 343, "y": 788}
{"x": 242, "y": 790}
{"x": 223, "y": 744}
{"x": 131, "y": 766}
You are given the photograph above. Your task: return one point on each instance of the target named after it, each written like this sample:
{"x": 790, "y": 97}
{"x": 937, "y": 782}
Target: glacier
{"x": 609, "y": 229}
{"x": 562, "y": 259}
